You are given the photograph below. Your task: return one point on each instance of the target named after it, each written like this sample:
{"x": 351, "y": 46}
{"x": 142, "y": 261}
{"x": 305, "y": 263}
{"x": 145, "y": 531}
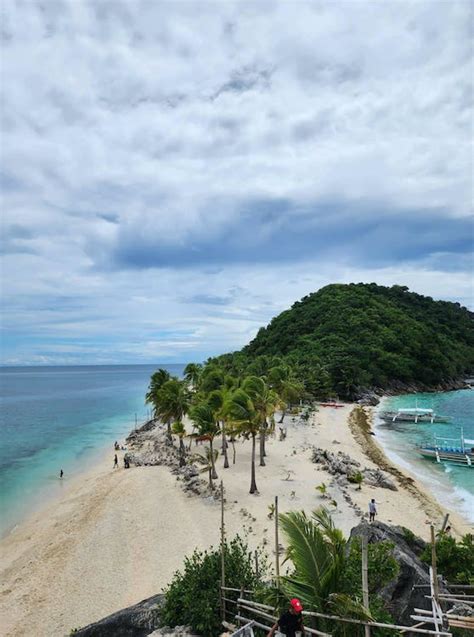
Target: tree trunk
{"x": 211, "y": 484}
{"x": 233, "y": 450}
{"x": 224, "y": 447}
{"x": 182, "y": 453}
{"x": 168, "y": 433}
{"x": 214, "y": 472}
{"x": 283, "y": 414}
{"x": 253, "y": 483}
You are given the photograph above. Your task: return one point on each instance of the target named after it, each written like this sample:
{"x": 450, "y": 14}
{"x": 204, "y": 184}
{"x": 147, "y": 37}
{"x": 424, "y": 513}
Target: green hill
{"x": 347, "y": 337}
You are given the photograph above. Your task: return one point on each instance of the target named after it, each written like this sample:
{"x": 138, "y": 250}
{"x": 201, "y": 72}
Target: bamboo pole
{"x": 277, "y": 546}
{"x": 445, "y": 523}
{"x": 222, "y": 553}
{"x": 433, "y": 564}
{"x": 360, "y": 622}
{"x": 365, "y": 580}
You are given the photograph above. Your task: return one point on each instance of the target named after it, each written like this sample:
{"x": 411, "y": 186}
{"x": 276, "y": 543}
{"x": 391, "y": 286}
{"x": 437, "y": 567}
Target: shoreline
{"x": 117, "y": 536}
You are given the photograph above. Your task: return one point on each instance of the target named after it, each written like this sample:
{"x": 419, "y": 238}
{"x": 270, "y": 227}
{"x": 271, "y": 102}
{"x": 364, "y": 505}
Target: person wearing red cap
{"x": 291, "y": 622}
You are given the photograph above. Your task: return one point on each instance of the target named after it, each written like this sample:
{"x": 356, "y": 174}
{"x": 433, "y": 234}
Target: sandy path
{"x": 116, "y": 537}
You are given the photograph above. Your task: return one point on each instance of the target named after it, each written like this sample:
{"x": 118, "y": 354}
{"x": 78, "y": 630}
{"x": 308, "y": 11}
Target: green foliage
{"x": 382, "y": 566}
{"x": 344, "y": 337}
{"x": 455, "y": 560}
{"x": 193, "y": 597}
{"x": 356, "y": 478}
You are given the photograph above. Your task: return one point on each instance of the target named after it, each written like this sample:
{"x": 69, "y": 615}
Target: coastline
{"x": 117, "y": 536}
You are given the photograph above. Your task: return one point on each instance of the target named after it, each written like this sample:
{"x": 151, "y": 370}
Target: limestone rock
{"x": 135, "y": 621}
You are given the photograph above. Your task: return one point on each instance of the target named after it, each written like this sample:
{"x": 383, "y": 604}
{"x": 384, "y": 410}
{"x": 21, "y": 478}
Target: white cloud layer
{"x": 175, "y": 173}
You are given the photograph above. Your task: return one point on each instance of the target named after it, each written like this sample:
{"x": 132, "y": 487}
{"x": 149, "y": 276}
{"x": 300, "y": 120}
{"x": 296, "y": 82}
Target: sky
{"x": 175, "y": 174}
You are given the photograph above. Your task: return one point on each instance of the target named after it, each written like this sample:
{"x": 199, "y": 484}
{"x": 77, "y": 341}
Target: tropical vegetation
{"x": 345, "y": 338}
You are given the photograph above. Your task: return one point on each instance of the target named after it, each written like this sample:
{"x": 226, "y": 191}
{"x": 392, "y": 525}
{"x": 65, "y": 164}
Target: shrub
{"x": 455, "y": 560}
{"x": 193, "y": 597}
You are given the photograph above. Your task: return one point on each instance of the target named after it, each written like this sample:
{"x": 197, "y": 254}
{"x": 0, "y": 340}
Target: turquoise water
{"x": 56, "y": 418}
{"x": 453, "y": 485}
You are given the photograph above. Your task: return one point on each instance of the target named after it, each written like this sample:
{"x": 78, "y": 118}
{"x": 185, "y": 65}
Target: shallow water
{"x": 453, "y": 484}
{"x": 56, "y": 418}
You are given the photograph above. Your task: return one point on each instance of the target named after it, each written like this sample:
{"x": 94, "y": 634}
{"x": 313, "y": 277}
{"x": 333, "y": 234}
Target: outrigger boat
{"x": 458, "y": 450}
{"x": 413, "y": 414}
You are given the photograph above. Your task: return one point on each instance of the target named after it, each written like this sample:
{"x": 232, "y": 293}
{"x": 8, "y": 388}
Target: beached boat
{"x": 413, "y": 414}
{"x": 458, "y": 450}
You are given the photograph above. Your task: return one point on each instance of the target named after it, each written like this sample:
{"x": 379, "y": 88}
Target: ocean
{"x": 453, "y": 485}
{"x": 55, "y": 418}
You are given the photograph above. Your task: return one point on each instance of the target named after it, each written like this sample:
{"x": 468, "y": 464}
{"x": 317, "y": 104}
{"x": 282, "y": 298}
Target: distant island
{"x": 347, "y": 339}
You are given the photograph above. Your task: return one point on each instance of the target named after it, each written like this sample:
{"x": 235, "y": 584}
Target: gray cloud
{"x": 156, "y": 153}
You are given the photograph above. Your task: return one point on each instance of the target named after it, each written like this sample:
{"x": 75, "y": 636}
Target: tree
{"x": 206, "y": 424}
{"x": 265, "y": 401}
{"x": 288, "y": 389}
{"x": 316, "y": 549}
{"x": 245, "y": 421}
{"x": 209, "y": 462}
{"x": 157, "y": 380}
{"x": 172, "y": 402}
{"x": 192, "y": 374}
{"x": 179, "y": 430}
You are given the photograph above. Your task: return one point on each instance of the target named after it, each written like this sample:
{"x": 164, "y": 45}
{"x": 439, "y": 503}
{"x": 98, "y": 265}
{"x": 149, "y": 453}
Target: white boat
{"x": 413, "y": 414}
{"x": 457, "y": 450}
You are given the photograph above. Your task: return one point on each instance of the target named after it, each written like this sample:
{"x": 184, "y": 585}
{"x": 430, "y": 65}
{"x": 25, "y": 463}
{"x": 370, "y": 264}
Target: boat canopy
{"x": 415, "y": 410}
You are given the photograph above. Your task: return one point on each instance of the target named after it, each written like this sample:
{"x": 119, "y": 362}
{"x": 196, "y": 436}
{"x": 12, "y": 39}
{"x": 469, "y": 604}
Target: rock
{"x": 139, "y": 620}
{"x": 177, "y": 631}
{"x": 342, "y": 465}
{"x": 399, "y": 595}
{"x": 377, "y": 478}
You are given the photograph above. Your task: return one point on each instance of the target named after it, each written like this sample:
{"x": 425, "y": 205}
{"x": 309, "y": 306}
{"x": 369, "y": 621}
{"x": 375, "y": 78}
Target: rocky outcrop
{"x": 400, "y": 595}
{"x": 150, "y": 446}
{"x": 139, "y": 620}
{"x": 372, "y": 396}
{"x": 344, "y": 467}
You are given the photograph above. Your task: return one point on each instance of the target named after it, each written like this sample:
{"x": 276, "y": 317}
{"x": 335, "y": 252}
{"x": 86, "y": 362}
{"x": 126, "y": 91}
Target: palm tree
{"x": 172, "y": 402}
{"x": 204, "y": 419}
{"x": 157, "y": 380}
{"x": 245, "y": 421}
{"x": 192, "y": 374}
{"x": 218, "y": 400}
{"x": 179, "y": 430}
{"x": 209, "y": 462}
{"x": 265, "y": 401}
{"x": 289, "y": 390}
{"x": 316, "y": 548}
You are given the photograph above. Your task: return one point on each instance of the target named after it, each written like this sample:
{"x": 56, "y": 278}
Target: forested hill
{"x": 345, "y": 337}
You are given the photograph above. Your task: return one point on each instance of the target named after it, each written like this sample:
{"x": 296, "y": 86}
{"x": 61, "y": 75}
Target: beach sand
{"x": 116, "y": 536}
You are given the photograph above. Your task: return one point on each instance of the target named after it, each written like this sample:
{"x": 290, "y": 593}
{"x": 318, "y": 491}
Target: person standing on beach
{"x": 372, "y": 510}
{"x": 115, "y": 461}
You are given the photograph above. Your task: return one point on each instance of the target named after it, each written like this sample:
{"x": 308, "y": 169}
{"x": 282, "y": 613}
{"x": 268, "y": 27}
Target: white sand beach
{"x": 116, "y": 536}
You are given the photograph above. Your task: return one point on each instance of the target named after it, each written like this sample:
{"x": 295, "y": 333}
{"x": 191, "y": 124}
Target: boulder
{"x": 399, "y": 595}
{"x": 135, "y": 621}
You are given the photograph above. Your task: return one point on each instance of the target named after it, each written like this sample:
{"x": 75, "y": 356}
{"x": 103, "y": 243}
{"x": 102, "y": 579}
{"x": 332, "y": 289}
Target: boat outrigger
{"x": 413, "y": 414}
{"x": 458, "y": 450}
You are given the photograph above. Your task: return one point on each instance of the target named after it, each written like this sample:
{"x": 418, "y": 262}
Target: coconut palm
{"x": 265, "y": 401}
{"x": 218, "y": 400}
{"x": 316, "y": 549}
{"x": 208, "y": 460}
{"x": 283, "y": 382}
{"x": 179, "y": 430}
{"x": 172, "y": 402}
{"x": 206, "y": 424}
{"x": 192, "y": 374}
{"x": 157, "y": 380}
{"x": 245, "y": 421}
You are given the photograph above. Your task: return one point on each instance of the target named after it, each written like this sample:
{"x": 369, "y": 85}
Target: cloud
{"x": 174, "y": 174}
